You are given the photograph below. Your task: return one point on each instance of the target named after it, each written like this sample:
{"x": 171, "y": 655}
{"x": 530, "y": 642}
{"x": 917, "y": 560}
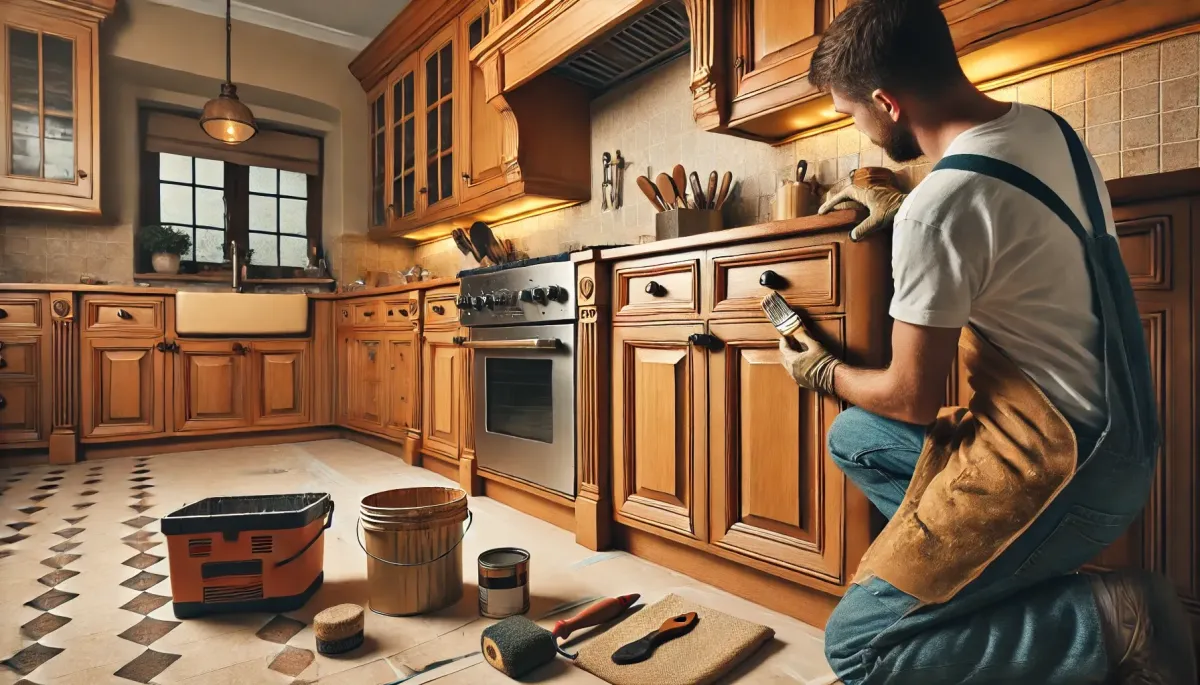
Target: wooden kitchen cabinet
{"x": 775, "y": 497}
{"x": 441, "y": 396}
{"x": 482, "y": 125}
{"x": 211, "y": 386}
{"x": 50, "y": 114}
{"x": 124, "y": 383}
{"x": 364, "y": 376}
{"x": 24, "y": 370}
{"x": 281, "y": 388}
{"x": 400, "y": 350}
{"x": 659, "y": 428}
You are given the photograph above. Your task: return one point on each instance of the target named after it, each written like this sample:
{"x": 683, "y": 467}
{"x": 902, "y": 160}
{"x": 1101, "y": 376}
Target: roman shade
{"x": 181, "y": 135}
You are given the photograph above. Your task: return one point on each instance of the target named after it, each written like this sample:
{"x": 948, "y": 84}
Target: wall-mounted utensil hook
{"x": 606, "y": 165}
{"x": 618, "y": 184}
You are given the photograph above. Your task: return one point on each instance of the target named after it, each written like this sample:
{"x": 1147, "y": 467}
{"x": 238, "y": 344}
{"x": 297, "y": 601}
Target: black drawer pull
{"x": 708, "y": 342}
{"x": 772, "y": 280}
{"x": 345, "y": 313}
{"x": 439, "y": 309}
{"x": 240, "y": 348}
{"x": 122, "y": 314}
{"x": 655, "y": 289}
{"x": 368, "y": 313}
{"x": 3, "y": 314}
{"x": 3, "y": 402}
{"x": 403, "y": 312}
{"x": 3, "y": 363}
{"x": 162, "y": 347}
{"x": 459, "y": 339}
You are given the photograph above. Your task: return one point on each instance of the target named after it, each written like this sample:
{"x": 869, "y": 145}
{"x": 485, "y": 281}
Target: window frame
{"x": 237, "y": 195}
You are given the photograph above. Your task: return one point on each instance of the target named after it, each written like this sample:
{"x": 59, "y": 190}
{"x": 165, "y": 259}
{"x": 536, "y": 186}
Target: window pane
{"x": 174, "y": 168}
{"x": 293, "y": 216}
{"x": 262, "y": 180}
{"x": 447, "y": 125}
{"x": 410, "y": 143}
{"x": 432, "y": 179}
{"x": 26, "y": 144}
{"x": 266, "y": 249}
{"x": 292, "y": 183}
{"x": 475, "y": 31}
{"x": 210, "y": 245}
{"x": 264, "y": 214}
{"x": 447, "y": 69}
{"x": 448, "y": 175}
{"x": 187, "y": 230}
{"x": 210, "y": 172}
{"x": 378, "y": 113}
{"x": 23, "y": 68}
{"x": 292, "y": 251}
{"x": 431, "y": 80}
{"x": 174, "y": 204}
{"x": 58, "y": 74}
{"x": 431, "y": 132}
{"x": 397, "y": 101}
{"x": 408, "y": 94}
{"x": 210, "y": 210}
{"x": 409, "y": 183}
{"x": 60, "y": 148}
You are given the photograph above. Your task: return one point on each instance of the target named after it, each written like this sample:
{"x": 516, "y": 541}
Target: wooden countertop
{"x": 842, "y": 219}
{"x": 386, "y": 290}
{"x": 144, "y": 290}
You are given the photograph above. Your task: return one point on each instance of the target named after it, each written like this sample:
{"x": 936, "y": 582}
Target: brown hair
{"x": 896, "y": 45}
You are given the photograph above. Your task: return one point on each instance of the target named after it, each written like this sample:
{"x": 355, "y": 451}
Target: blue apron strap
{"x": 1083, "y": 171}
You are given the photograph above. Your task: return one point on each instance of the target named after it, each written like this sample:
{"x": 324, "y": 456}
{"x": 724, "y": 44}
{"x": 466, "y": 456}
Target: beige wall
{"x": 156, "y": 53}
{"x": 1137, "y": 111}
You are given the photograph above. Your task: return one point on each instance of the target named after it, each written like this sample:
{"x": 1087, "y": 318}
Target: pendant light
{"x": 225, "y": 117}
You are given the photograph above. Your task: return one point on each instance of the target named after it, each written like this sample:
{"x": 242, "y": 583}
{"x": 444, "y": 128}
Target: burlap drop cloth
{"x": 716, "y": 645}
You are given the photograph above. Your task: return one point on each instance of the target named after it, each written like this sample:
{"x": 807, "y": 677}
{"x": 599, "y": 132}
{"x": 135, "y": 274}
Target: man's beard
{"x": 899, "y": 143}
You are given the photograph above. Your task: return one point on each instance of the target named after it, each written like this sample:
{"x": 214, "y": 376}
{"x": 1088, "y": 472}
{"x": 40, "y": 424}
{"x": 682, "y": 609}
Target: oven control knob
{"x": 462, "y": 301}
{"x": 489, "y": 301}
{"x": 539, "y": 295}
{"x": 477, "y": 303}
{"x": 526, "y": 295}
{"x": 556, "y": 294}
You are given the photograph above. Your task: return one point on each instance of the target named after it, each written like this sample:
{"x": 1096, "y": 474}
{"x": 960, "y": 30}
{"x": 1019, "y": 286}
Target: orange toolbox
{"x": 257, "y": 553}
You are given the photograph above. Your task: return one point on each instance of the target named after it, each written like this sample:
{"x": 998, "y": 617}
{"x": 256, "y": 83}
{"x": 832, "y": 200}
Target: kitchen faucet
{"x": 233, "y": 251}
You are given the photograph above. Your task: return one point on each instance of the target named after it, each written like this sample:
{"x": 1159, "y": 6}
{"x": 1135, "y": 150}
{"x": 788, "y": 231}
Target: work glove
{"x": 807, "y": 360}
{"x": 881, "y": 202}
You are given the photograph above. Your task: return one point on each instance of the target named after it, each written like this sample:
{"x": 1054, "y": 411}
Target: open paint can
{"x": 503, "y": 582}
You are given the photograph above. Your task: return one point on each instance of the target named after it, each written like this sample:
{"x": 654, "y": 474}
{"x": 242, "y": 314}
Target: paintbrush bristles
{"x": 785, "y": 320}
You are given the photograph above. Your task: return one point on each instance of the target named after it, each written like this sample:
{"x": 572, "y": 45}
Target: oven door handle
{"x": 526, "y": 344}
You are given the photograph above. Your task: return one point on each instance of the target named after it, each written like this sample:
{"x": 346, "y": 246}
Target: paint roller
{"x": 517, "y": 645}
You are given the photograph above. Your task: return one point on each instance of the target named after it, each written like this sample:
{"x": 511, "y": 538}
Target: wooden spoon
{"x": 723, "y": 193}
{"x": 679, "y": 176}
{"x": 651, "y": 192}
{"x": 667, "y": 188}
{"x": 711, "y": 191}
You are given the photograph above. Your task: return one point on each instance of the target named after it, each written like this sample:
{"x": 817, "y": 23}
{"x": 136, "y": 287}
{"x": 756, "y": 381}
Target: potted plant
{"x": 164, "y": 244}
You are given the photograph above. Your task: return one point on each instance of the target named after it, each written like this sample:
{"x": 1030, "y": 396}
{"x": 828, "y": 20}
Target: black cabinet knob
{"x": 403, "y": 312}
{"x": 655, "y": 289}
{"x": 556, "y": 294}
{"x": 3, "y": 402}
{"x": 162, "y": 347}
{"x": 489, "y": 301}
{"x": 3, "y": 314}
{"x": 772, "y": 280}
{"x": 368, "y": 314}
{"x": 438, "y": 309}
{"x": 173, "y": 347}
{"x": 539, "y": 295}
{"x": 240, "y": 348}
{"x": 459, "y": 339}
{"x": 708, "y": 342}
{"x": 122, "y": 314}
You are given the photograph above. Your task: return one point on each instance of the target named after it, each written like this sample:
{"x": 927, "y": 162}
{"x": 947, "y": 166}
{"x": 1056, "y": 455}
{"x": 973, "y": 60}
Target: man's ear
{"x": 886, "y": 103}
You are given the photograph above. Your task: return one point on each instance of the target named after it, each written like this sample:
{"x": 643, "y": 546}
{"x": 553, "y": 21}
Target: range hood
{"x": 645, "y": 41}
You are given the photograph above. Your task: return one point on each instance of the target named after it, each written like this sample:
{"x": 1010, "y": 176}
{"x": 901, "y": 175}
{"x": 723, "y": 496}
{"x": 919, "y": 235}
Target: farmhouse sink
{"x": 240, "y": 313}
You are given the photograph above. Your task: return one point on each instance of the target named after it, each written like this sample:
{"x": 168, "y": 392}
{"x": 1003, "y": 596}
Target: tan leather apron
{"x": 985, "y": 473}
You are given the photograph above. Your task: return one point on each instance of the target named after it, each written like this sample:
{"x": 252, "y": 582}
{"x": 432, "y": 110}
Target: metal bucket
{"x": 412, "y": 537}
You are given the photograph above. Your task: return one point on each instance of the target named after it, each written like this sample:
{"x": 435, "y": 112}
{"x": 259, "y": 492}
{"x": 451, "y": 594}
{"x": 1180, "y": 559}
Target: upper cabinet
{"x": 49, "y": 104}
{"x": 751, "y": 58}
{"x": 446, "y": 147}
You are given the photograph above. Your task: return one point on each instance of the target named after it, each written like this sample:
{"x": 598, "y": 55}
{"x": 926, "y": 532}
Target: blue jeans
{"x": 1029, "y": 618}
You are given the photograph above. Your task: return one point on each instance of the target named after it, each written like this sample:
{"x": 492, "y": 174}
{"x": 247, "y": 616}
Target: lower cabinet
{"x": 281, "y": 392}
{"x": 441, "y": 378}
{"x": 124, "y": 385}
{"x": 22, "y": 398}
{"x": 211, "y": 386}
{"x": 364, "y": 377}
{"x": 400, "y": 352}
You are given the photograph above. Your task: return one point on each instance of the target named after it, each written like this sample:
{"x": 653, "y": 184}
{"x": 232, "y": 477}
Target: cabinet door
{"x": 210, "y": 386}
{"x": 281, "y": 383}
{"x": 345, "y": 348}
{"x": 773, "y": 42}
{"x": 367, "y": 403}
{"x": 775, "y": 495}
{"x": 437, "y": 91}
{"x": 402, "y": 157}
{"x": 659, "y": 433}
{"x": 379, "y": 160}
{"x": 22, "y": 417}
{"x": 124, "y": 383}
{"x": 46, "y": 144}
{"x": 400, "y": 371}
{"x": 482, "y": 126}
{"x": 441, "y": 369}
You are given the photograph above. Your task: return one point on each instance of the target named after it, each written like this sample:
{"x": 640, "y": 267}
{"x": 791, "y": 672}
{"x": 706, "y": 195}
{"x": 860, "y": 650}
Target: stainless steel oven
{"x": 522, "y": 321}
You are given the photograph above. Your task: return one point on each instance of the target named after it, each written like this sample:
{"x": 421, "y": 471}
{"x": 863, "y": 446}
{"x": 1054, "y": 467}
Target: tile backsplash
{"x": 1137, "y": 111}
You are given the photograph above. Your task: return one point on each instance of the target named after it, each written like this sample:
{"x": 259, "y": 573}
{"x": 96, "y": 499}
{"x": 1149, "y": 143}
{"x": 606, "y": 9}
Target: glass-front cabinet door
{"x": 482, "y": 157}
{"x": 438, "y": 87}
{"x": 48, "y": 98}
{"x": 377, "y": 128}
{"x": 403, "y": 123}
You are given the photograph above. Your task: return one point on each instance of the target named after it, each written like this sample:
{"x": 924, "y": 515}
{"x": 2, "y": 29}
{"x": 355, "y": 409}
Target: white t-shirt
{"x": 969, "y": 248}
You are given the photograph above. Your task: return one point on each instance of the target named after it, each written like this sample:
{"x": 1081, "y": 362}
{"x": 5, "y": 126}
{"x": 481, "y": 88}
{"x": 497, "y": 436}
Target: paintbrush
{"x": 785, "y": 320}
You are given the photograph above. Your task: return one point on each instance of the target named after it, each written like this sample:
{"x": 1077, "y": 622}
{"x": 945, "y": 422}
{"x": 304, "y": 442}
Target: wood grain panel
{"x": 1143, "y": 245}
{"x": 20, "y": 311}
{"x": 659, "y": 391}
{"x": 400, "y": 349}
{"x": 776, "y": 496}
{"x": 440, "y": 313}
{"x": 659, "y": 287}
{"x": 20, "y": 357}
{"x": 126, "y": 316}
{"x": 366, "y": 381}
{"x": 441, "y": 394}
{"x": 123, "y": 387}
{"x": 805, "y": 276}
{"x": 20, "y": 412}
{"x": 281, "y": 391}
{"x": 211, "y": 386}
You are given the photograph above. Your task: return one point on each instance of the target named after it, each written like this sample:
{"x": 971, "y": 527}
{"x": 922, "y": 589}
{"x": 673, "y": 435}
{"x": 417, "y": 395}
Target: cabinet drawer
{"x": 805, "y": 275}
{"x": 20, "y": 413}
{"x": 20, "y": 311}
{"x": 398, "y": 313}
{"x": 654, "y": 288}
{"x": 20, "y": 358}
{"x": 124, "y": 315}
{"x": 367, "y": 313}
{"x": 440, "y": 309}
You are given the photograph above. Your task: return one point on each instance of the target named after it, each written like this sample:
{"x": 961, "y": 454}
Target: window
{"x": 264, "y": 194}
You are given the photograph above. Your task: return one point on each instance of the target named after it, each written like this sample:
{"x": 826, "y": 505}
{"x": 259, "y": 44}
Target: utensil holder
{"x": 794, "y": 200}
{"x": 680, "y": 223}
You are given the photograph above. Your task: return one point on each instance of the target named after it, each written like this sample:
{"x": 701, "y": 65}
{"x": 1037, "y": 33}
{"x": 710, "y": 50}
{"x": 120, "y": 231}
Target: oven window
{"x": 519, "y": 398}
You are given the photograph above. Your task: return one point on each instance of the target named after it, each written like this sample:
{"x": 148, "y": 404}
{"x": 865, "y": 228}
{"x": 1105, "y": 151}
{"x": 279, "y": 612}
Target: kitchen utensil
{"x": 642, "y": 649}
{"x": 701, "y": 202}
{"x": 651, "y": 192}
{"x": 516, "y": 645}
{"x": 679, "y": 176}
{"x": 710, "y": 193}
{"x": 606, "y": 166}
{"x": 666, "y": 188}
{"x": 801, "y": 170}
{"x": 485, "y": 241}
{"x": 782, "y": 316}
{"x": 462, "y": 242}
{"x": 615, "y": 191}
{"x": 723, "y": 193}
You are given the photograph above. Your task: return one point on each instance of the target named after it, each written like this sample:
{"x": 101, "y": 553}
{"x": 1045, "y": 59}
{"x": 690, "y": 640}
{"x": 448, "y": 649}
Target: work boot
{"x": 1145, "y": 630}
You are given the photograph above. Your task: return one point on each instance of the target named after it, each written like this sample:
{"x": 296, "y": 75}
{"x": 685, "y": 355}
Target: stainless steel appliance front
{"x": 525, "y": 403}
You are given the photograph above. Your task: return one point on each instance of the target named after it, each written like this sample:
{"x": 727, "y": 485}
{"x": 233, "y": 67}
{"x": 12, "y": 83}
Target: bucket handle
{"x": 358, "y": 536}
{"x": 297, "y": 555}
